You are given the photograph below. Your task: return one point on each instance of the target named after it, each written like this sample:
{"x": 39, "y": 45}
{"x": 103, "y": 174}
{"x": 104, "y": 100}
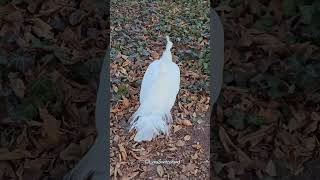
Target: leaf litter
{"x": 138, "y": 33}
{"x": 48, "y": 82}
{"x": 265, "y": 126}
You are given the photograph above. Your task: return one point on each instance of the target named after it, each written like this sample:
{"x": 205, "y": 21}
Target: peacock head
{"x": 169, "y": 43}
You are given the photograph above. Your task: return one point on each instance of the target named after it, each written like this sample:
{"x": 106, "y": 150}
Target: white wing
{"x": 159, "y": 95}
{"x": 174, "y": 84}
{"x": 148, "y": 78}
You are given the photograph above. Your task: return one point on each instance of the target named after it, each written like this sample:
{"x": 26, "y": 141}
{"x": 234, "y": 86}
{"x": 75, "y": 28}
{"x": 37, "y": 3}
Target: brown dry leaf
{"x": 269, "y": 43}
{"x": 186, "y": 122}
{"x": 176, "y": 128}
{"x": 311, "y": 127}
{"x": 59, "y": 171}
{"x": 172, "y": 149}
{"x": 86, "y": 143}
{"x": 180, "y": 143}
{"x": 17, "y": 86}
{"x": 226, "y": 141}
{"x": 6, "y": 170}
{"x": 33, "y": 168}
{"x": 72, "y": 152}
{"x": 82, "y": 96}
{"x": 22, "y": 140}
{"x": 125, "y": 102}
{"x": 270, "y": 115}
{"x": 271, "y": 169}
{"x": 310, "y": 143}
{"x": 124, "y": 57}
{"x": 116, "y": 170}
{"x": 275, "y": 6}
{"x": 255, "y": 137}
{"x": 50, "y": 125}
{"x": 76, "y": 17}
{"x": 69, "y": 36}
{"x": 134, "y": 155}
{"x": 160, "y": 170}
{"x": 243, "y": 157}
{"x": 123, "y": 152}
{"x": 295, "y": 124}
{"x": 190, "y": 167}
{"x": 131, "y": 175}
{"x": 155, "y": 55}
{"x": 315, "y": 116}
{"x": 42, "y": 29}
{"x": 245, "y": 40}
{"x": 195, "y": 156}
{"x": 72, "y": 110}
{"x": 126, "y": 62}
{"x": 299, "y": 115}
{"x": 187, "y": 138}
{"x": 266, "y": 39}
{"x": 219, "y": 113}
{"x": 197, "y": 146}
{"x": 6, "y": 155}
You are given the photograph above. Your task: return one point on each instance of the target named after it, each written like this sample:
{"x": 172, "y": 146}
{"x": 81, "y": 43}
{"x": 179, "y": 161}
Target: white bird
{"x": 159, "y": 88}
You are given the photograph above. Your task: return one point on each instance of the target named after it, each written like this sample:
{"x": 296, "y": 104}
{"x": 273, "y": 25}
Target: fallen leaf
{"x": 133, "y": 175}
{"x": 123, "y": 152}
{"x": 50, "y": 125}
{"x": 86, "y": 143}
{"x": 295, "y": 124}
{"x": 186, "y": 122}
{"x": 195, "y": 156}
{"x": 155, "y": 55}
{"x": 180, "y": 143}
{"x": 125, "y": 102}
{"x": 243, "y": 157}
{"x": 197, "y": 146}
{"x": 226, "y": 141}
{"x": 18, "y": 87}
{"x": 187, "y": 138}
{"x": 6, "y": 170}
{"x": 270, "y": 115}
{"x": 255, "y": 137}
{"x": 63, "y": 56}
{"x": 6, "y": 155}
{"x": 42, "y": 29}
{"x": 311, "y": 127}
{"x": 271, "y": 169}
{"x": 176, "y": 128}
{"x": 160, "y": 170}
{"x": 76, "y": 17}
{"x": 72, "y": 152}
{"x": 315, "y": 116}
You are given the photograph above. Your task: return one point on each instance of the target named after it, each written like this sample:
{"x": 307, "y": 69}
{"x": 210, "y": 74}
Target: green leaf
{"x": 265, "y": 23}
{"x": 237, "y": 119}
{"x": 41, "y": 91}
{"x": 314, "y": 98}
{"x": 26, "y": 111}
{"x": 4, "y": 2}
{"x": 306, "y": 13}
{"x": 63, "y": 56}
{"x": 255, "y": 120}
{"x": 289, "y": 7}
{"x": 122, "y": 91}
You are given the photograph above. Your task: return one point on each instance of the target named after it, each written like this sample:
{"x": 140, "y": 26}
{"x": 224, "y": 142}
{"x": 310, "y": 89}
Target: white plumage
{"x": 159, "y": 88}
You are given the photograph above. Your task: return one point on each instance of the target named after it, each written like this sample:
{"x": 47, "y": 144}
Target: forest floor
{"x": 268, "y": 114}
{"x": 138, "y": 33}
{"x": 50, "y": 61}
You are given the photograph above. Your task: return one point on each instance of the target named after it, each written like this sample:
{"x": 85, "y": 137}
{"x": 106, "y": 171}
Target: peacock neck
{"x": 167, "y": 56}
